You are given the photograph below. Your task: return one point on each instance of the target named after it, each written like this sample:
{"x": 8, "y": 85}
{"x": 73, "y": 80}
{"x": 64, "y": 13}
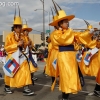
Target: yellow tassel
{"x": 53, "y": 85}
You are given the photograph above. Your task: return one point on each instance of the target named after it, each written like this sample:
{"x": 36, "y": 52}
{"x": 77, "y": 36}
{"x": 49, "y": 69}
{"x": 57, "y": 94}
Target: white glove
{"x": 91, "y": 30}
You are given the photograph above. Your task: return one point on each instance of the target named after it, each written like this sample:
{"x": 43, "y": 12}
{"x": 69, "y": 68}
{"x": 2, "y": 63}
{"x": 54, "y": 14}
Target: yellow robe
{"x": 66, "y": 60}
{"x": 46, "y": 68}
{"x": 32, "y": 68}
{"x": 98, "y": 75}
{"x": 92, "y": 68}
{"x": 23, "y": 76}
{"x": 94, "y": 65}
{"x": 53, "y": 52}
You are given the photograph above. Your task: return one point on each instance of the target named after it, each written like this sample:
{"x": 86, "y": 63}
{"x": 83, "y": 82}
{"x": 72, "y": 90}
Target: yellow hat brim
{"x": 29, "y": 29}
{"x": 55, "y": 23}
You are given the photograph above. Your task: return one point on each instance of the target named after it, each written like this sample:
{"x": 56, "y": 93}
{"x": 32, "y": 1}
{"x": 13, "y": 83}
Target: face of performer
{"x": 56, "y": 27}
{"x": 17, "y": 28}
{"x": 26, "y": 32}
{"x": 64, "y": 24}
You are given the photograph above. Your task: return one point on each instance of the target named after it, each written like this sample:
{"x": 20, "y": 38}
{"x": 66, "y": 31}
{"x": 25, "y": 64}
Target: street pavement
{"x": 42, "y": 89}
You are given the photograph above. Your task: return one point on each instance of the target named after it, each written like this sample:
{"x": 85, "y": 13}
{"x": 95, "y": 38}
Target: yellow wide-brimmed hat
{"x": 17, "y": 19}
{"x": 54, "y": 19}
{"x": 25, "y": 27}
{"x": 61, "y": 15}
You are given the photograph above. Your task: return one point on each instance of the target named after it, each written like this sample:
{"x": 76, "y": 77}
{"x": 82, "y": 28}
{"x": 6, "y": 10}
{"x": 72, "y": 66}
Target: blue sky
{"x": 89, "y": 11}
{"x": 83, "y": 9}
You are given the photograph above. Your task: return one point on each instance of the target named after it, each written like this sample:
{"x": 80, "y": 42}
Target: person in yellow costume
{"x": 69, "y": 81}
{"x": 22, "y": 78}
{"x": 52, "y": 55}
{"x": 28, "y": 43}
{"x": 97, "y": 86}
{"x": 93, "y": 68}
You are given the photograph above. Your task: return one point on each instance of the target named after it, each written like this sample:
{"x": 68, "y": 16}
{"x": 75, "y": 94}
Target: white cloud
{"x": 35, "y": 18}
{"x": 79, "y": 23}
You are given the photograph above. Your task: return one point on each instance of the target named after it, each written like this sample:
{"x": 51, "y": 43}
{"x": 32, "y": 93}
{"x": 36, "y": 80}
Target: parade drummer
{"x": 13, "y": 42}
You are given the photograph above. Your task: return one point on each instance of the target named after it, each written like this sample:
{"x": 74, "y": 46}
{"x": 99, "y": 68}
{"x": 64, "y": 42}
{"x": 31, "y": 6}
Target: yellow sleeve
{"x": 10, "y": 44}
{"x": 49, "y": 47}
{"x": 48, "y": 40}
{"x": 64, "y": 37}
{"x": 85, "y": 38}
{"x": 76, "y": 46}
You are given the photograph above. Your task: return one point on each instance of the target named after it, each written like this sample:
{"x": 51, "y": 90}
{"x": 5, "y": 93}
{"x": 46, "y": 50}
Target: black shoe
{"x": 28, "y": 92}
{"x": 35, "y": 78}
{"x": 44, "y": 74}
{"x": 97, "y": 93}
{"x": 7, "y": 90}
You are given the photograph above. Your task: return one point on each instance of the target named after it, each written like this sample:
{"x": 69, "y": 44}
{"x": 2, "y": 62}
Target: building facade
{"x": 36, "y": 38}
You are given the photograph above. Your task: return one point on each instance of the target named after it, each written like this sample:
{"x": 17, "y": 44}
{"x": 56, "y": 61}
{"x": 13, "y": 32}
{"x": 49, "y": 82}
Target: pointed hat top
{"x": 60, "y": 14}
{"x": 88, "y": 25}
{"x": 25, "y": 27}
{"x": 17, "y": 19}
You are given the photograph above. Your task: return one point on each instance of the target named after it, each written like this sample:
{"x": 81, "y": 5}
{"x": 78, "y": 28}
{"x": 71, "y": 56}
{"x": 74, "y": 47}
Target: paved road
{"x": 42, "y": 89}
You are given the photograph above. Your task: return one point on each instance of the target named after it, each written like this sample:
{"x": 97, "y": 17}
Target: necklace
{"x": 16, "y": 36}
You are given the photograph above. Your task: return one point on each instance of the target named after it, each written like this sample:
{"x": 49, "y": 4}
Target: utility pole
{"x": 43, "y": 22}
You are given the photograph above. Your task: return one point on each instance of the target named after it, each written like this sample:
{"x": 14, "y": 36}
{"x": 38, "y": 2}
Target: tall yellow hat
{"x": 55, "y": 18}
{"x": 61, "y": 15}
{"x": 25, "y": 27}
{"x": 17, "y": 19}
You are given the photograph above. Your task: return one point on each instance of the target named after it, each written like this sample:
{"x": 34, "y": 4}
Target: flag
{"x": 89, "y": 54}
{"x": 12, "y": 65}
{"x": 54, "y": 63}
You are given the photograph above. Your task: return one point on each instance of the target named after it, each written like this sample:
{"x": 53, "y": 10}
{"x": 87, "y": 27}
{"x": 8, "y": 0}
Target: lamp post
{"x": 48, "y": 17}
{"x": 43, "y": 22}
